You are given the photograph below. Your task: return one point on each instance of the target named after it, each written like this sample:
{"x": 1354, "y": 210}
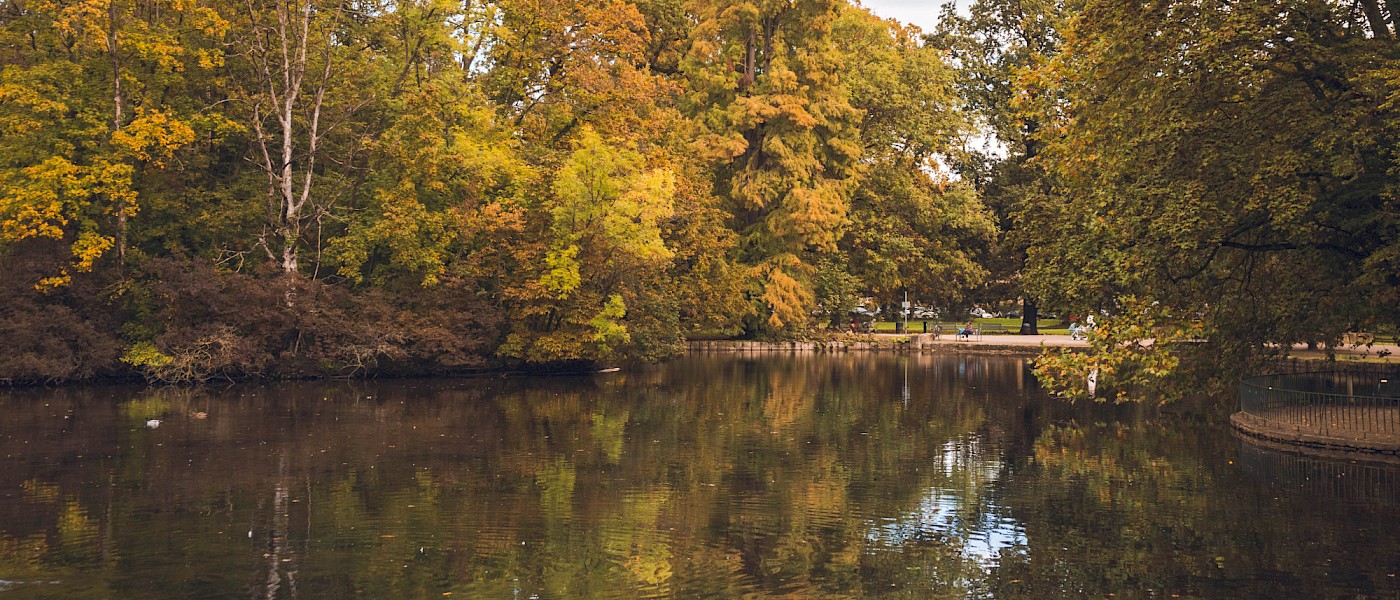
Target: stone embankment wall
{"x": 919, "y": 343}
{"x": 1285, "y": 435}
{"x": 1343, "y": 364}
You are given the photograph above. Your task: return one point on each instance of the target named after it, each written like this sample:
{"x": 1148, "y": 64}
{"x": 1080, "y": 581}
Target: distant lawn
{"x": 711, "y": 335}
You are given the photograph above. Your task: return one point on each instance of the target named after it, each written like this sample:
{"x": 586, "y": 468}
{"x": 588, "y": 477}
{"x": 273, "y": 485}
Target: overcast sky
{"x": 923, "y": 13}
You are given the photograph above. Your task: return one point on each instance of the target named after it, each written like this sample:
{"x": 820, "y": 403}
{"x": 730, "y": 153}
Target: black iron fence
{"x": 1327, "y": 404}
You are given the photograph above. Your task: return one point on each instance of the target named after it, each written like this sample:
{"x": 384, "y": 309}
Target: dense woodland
{"x": 194, "y": 188}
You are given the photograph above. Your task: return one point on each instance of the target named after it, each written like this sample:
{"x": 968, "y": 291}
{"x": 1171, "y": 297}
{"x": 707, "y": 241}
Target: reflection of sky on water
{"x": 957, "y": 515}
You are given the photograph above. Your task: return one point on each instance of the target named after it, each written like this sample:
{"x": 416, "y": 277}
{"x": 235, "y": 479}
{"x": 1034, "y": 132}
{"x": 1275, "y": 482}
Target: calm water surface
{"x": 711, "y": 477}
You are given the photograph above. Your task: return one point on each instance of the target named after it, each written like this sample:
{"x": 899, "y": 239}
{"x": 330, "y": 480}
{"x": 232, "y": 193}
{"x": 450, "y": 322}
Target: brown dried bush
{"x": 64, "y": 334}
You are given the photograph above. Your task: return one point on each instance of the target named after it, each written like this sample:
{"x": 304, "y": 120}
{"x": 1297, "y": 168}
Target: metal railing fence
{"x": 1328, "y": 404}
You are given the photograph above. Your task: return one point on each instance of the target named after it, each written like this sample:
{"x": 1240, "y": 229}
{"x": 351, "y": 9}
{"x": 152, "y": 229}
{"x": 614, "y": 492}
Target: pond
{"x": 815, "y": 476}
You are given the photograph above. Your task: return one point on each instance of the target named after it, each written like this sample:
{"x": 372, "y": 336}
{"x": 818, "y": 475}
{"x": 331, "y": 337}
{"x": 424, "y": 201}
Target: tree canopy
{"x": 1207, "y": 171}
{"x": 569, "y": 180}
{"x": 333, "y": 186}
{"x": 1233, "y": 164}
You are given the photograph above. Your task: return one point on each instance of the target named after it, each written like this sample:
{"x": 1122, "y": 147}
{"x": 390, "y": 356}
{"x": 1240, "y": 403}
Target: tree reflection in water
{"x": 797, "y": 475}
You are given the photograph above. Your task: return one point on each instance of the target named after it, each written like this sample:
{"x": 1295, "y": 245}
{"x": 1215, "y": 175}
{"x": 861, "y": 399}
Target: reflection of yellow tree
{"x": 633, "y": 536}
{"x": 556, "y": 482}
{"x": 22, "y": 559}
{"x": 608, "y": 431}
{"x": 70, "y": 552}
{"x": 77, "y": 532}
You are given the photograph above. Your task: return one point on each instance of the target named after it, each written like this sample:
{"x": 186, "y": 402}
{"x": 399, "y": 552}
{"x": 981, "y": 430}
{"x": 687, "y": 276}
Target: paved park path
{"x": 1385, "y": 353}
{"x": 1054, "y": 341}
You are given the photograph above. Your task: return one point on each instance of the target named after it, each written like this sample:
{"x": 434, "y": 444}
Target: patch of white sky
{"x": 924, "y": 14}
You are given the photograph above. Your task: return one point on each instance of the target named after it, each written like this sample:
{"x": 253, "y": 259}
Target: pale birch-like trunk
{"x": 279, "y": 55}
{"x": 113, "y": 49}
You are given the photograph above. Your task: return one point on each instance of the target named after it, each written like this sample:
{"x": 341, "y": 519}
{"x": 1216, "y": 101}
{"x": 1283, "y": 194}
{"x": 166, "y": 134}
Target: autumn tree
{"x": 766, "y": 87}
{"x": 430, "y": 192}
{"x": 994, "y": 47}
{"x": 603, "y": 250}
{"x": 88, "y": 116}
{"x": 1232, "y": 165}
{"x": 323, "y": 186}
{"x": 557, "y": 65}
{"x": 294, "y": 65}
{"x": 914, "y": 228}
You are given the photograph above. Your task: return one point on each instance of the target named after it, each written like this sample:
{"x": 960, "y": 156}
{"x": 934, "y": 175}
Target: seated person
{"x": 966, "y": 330}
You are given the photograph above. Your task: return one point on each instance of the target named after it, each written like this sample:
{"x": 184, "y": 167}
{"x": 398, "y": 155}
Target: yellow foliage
{"x": 45, "y": 200}
{"x": 414, "y": 236}
{"x": 31, "y": 205}
{"x": 48, "y": 283}
{"x": 153, "y": 136}
{"x": 37, "y": 107}
{"x": 608, "y": 331}
{"x": 563, "y": 274}
{"x": 145, "y": 354}
{"x": 88, "y": 248}
{"x": 789, "y": 300}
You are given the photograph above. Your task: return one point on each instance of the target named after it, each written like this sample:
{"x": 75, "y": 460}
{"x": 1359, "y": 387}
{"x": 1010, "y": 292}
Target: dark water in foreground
{"x": 712, "y": 477}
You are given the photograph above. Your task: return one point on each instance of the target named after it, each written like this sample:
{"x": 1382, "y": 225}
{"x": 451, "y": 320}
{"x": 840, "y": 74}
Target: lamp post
{"x": 905, "y": 305}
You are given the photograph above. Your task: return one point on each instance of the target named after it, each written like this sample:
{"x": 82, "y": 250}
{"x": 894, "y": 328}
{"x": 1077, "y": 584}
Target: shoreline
{"x": 1380, "y": 356}
{"x": 1300, "y": 360}
{"x": 1029, "y": 345}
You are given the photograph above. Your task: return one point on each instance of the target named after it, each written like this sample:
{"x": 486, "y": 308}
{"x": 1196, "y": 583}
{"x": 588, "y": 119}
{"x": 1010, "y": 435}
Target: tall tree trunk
{"x": 1375, "y": 18}
{"x": 1393, "y": 7}
{"x": 282, "y": 67}
{"x": 1030, "y": 315}
{"x": 117, "y": 117}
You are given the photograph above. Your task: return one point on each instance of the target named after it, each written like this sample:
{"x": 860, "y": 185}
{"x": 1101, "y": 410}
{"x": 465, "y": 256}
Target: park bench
{"x": 954, "y": 329}
{"x": 977, "y": 329}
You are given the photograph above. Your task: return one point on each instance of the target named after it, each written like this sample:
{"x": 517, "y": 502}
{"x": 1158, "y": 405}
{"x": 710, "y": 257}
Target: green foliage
{"x": 603, "y": 192}
{"x": 1253, "y": 190}
{"x": 912, "y": 228}
{"x": 995, "y": 45}
{"x": 837, "y": 291}
{"x": 603, "y": 242}
{"x": 608, "y": 331}
{"x": 1130, "y": 356}
{"x": 443, "y": 163}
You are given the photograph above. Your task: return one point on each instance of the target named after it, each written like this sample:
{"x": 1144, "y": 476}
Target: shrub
{"x": 66, "y": 333}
